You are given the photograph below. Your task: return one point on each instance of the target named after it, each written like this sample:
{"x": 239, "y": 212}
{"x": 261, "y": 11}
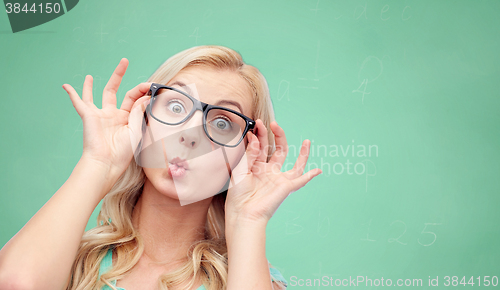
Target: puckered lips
{"x": 177, "y": 167}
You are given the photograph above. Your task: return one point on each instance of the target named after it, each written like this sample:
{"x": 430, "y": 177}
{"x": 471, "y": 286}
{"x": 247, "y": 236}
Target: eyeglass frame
{"x": 198, "y": 105}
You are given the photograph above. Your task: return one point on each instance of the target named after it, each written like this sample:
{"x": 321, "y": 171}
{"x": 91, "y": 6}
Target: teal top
{"x": 107, "y": 264}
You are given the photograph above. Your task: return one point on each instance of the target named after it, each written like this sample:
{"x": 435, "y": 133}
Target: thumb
{"x": 136, "y": 121}
{"x": 244, "y": 167}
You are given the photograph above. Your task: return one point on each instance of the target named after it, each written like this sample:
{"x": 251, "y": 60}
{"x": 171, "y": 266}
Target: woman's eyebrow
{"x": 236, "y": 104}
{"x": 181, "y": 84}
{"x": 220, "y": 102}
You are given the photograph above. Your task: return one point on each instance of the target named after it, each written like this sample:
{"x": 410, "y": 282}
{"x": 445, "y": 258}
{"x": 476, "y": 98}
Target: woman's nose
{"x": 192, "y": 132}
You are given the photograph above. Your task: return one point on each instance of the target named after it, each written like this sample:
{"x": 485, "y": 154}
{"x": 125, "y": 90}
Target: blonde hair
{"x": 208, "y": 257}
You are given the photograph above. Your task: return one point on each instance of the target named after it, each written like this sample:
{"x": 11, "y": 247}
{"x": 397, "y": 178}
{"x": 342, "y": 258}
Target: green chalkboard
{"x": 400, "y": 100}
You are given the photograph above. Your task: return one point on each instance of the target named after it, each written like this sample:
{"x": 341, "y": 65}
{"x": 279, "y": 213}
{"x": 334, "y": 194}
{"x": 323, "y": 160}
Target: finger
{"x": 78, "y": 104}
{"x": 136, "y": 122}
{"x": 300, "y": 163}
{"x": 142, "y": 103}
{"x": 75, "y": 99}
{"x": 262, "y": 136}
{"x": 87, "y": 90}
{"x": 244, "y": 167}
{"x": 302, "y": 180}
{"x": 109, "y": 93}
{"x": 133, "y": 95}
{"x": 281, "y": 151}
{"x": 253, "y": 149}
{"x": 251, "y": 152}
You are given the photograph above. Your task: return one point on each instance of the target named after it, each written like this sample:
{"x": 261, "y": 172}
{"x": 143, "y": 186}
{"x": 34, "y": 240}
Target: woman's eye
{"x": 221, "y": 124}
{"x": 176, "y": 107}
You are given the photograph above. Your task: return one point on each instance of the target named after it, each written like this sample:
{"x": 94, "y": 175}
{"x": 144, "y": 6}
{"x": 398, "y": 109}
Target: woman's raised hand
{"x": 106, "y": 136}
{"x": 261, "y": 186}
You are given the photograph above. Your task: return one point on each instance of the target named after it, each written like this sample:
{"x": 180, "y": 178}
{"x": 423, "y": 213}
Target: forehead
{"x": 217, "y": 87}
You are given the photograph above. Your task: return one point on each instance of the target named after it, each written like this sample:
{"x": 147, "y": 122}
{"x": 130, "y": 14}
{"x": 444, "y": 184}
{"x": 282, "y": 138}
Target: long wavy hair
{"x": 207, "y": 258}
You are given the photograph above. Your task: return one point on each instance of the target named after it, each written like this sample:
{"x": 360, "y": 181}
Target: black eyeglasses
{"x": 223, "y": 126}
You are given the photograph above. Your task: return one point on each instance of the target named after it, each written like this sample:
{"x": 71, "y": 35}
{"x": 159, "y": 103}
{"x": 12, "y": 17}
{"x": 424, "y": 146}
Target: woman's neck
{"x": 167, "y": 228}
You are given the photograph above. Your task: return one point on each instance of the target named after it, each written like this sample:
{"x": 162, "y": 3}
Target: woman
{"x": 146, "y": 238}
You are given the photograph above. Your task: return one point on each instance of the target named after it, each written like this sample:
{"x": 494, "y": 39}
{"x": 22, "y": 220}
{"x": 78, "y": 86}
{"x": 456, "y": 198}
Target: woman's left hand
{"x": 260, "y": 186}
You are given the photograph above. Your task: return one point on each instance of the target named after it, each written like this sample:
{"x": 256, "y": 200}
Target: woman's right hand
{"x": 41, "y": 254}
{"x": 106, "y": 136}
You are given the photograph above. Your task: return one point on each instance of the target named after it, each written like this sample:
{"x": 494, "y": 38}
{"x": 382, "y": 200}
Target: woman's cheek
{"x": 237, "y": 155}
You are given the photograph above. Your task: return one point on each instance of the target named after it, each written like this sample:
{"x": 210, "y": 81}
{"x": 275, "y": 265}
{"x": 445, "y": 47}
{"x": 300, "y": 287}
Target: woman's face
{"x": 203, "y": 171}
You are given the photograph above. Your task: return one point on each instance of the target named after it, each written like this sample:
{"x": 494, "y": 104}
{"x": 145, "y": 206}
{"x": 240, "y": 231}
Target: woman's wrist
{"x": 100, "y": 176}
{"x": 241, "y": 227}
